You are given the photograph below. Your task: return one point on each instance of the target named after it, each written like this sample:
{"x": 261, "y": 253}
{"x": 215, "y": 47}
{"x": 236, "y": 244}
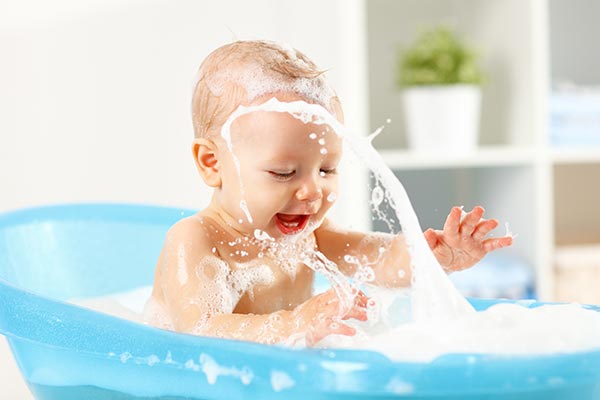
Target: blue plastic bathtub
{"x": 65, "y": 352}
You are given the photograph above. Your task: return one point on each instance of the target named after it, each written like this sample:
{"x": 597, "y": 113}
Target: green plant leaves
{"x": 438, "y": 57}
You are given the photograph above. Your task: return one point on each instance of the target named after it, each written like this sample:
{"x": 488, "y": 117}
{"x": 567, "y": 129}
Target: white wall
{"x": 94, "y": 94}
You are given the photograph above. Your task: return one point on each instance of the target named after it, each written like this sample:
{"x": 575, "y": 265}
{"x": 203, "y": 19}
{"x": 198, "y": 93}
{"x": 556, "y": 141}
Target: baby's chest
{"x": 266, "y": 287}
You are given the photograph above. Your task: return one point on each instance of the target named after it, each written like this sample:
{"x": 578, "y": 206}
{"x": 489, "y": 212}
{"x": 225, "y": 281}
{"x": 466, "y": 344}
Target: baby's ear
{"x": 207, "y": 162}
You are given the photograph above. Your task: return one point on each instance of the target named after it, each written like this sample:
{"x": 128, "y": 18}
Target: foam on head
{"x": 243, "y": 71}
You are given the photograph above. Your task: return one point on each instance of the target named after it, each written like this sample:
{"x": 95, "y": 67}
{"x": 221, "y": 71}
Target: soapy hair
{"x": 240, "y": 72}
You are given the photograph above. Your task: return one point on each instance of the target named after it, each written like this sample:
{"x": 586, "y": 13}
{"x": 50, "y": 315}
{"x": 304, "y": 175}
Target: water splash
{"x": 432, "y": 296}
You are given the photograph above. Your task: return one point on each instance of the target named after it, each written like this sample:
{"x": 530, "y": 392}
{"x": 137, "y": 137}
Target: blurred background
{"x": 95, "y": 107}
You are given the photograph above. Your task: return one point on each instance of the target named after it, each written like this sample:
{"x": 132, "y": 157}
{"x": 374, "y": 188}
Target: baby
{"x": 240, "y": 267}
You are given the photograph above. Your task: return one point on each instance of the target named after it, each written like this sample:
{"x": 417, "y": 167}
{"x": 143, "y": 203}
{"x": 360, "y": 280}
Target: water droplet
{"x": 313, "y": 136}
{"x": 322, "y": 142}
{"x": 261, "y": 235}
{"x": 240, "y": 221}
{"x": 323, "y": 150}
{"x": 244, "y": 207}
{"x": 331, "y": 197}
{"x": 377, "y": 196}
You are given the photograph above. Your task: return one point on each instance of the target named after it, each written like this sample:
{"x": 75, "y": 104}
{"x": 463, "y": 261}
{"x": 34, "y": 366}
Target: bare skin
{"x": 214, "y": 278}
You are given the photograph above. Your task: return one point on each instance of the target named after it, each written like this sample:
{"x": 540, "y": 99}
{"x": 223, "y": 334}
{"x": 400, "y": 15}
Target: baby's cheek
{"x": 330, "y": 198}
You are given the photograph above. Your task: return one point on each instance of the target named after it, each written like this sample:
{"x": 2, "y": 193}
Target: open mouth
{"x": 290, "y": 224}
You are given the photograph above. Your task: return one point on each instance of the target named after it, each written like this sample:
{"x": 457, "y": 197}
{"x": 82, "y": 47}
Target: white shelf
{"x": 517, "y": 173}
{"x": 576, "y": 156}
{"x": 500, "y": 156}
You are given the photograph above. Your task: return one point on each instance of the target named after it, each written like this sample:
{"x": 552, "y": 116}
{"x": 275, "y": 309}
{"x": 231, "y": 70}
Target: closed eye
{"x": 282, "y": 176}
{"x": 328, "y": 171}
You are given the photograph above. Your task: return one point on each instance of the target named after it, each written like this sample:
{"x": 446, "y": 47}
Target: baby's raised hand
{"x": 322, "y": 315}
{"x": 463, "y": 242}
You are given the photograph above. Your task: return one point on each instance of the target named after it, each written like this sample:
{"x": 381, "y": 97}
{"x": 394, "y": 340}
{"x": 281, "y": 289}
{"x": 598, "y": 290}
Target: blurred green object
{"x": 438, "y": 57}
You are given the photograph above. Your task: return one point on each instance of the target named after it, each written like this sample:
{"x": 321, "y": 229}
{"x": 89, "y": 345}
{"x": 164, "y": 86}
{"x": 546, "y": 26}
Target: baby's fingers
{"x": 316, "y": 334}
{"x": 359, "y": 309}
{"x": 431, "y": 236}
{"x": 453, "y": 221}
{"x": 470, "y": 221}
{"x": 497, "y": 243}
{"x": 361, "y": 299}
{"x": 341, "y": 329}
{"x": 359, "y": 313}
{"x": 483, "y": 228}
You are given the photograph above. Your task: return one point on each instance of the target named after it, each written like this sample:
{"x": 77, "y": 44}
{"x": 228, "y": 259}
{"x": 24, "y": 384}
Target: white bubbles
{"x": 350, "y": 259}
{"x": 377, "y": 196}
{"x": 262, "y": 235}
{"x": 256, "y": 82}
{"x": 240, "y": 221}
{"x": 248, "y": 275}
{"x": 322, "y": 142}
{"x": 281, "y": 381}
{"x": 125, "y": 356}
{"x": 312, "y": 136}
{"x": 331, "y": 197}
{"x": 213, "y": 370}
{"x": 365, "y": 274}
{"x": 323, "y": 150}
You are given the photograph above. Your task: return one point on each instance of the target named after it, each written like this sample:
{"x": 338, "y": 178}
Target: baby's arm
{"x": 311, "y": 321}
{"x": 461, "y": 244}
{"x": 386, "y": 254}
{"x": 193, "y": 284}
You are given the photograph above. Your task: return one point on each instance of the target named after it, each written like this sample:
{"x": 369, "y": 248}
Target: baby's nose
{"x": 309, "y": 191}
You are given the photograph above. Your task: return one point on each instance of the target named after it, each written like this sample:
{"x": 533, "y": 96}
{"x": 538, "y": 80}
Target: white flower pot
{"x": 444, "y": 117}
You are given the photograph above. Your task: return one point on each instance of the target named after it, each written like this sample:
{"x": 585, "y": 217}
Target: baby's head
{"x": 242, "y": 72}
{"x": 274, "y": 173}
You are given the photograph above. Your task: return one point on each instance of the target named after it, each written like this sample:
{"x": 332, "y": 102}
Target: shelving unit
{"x": 547, "y": 194}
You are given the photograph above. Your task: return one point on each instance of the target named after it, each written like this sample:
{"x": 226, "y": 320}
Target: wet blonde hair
{"x": 239, "y": 72}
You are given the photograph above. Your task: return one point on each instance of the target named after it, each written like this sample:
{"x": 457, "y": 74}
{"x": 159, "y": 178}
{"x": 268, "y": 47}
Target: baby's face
{"x": 288, "y": 172}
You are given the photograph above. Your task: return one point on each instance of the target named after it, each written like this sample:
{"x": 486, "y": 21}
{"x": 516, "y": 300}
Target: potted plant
{"x": 441, "y": 91}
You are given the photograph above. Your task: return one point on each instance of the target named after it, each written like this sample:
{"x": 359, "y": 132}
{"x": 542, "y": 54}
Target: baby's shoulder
{"x": 195, "y": 230}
